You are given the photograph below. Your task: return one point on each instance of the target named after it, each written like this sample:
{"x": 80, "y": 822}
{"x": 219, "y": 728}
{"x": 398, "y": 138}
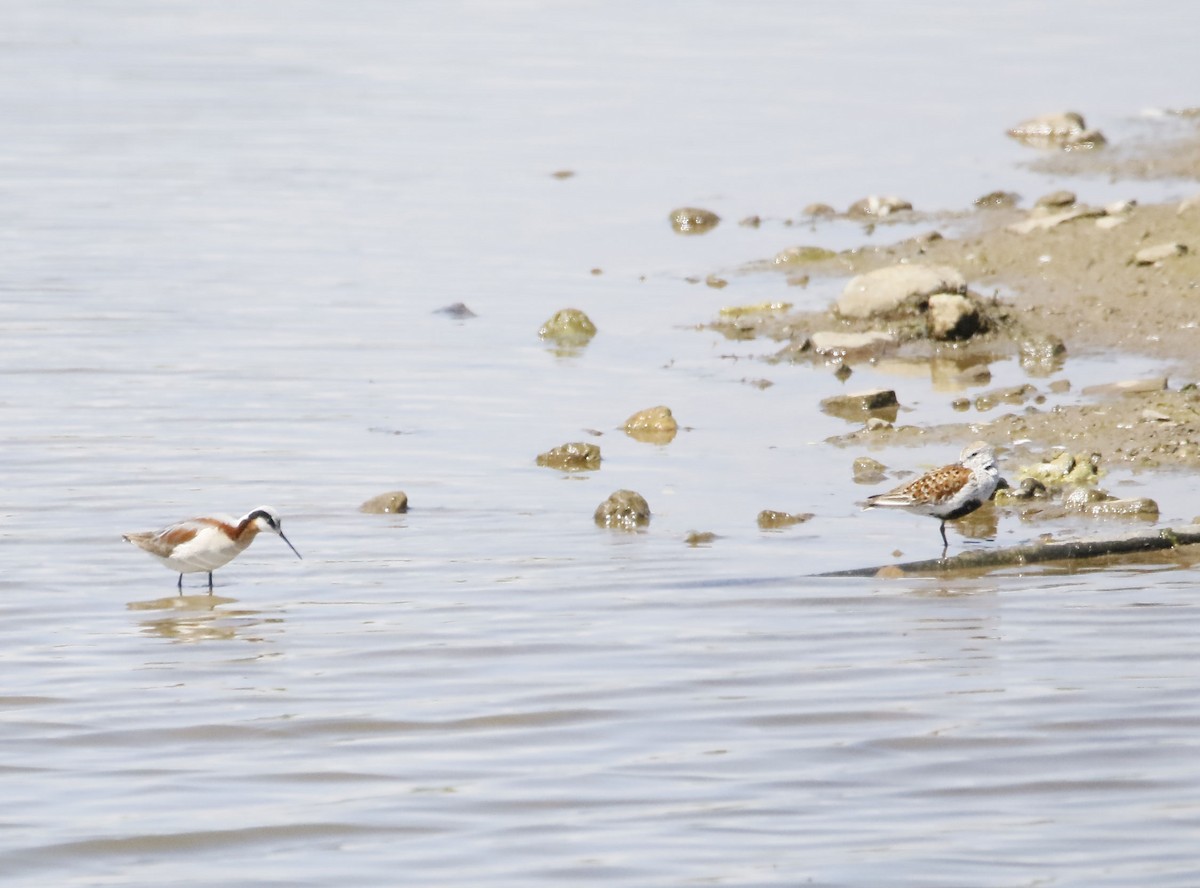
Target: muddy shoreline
{"x": 1056, "y": 281}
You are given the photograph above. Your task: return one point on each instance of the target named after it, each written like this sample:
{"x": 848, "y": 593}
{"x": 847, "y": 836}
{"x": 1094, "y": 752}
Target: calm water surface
{"x": 225, "y": 231}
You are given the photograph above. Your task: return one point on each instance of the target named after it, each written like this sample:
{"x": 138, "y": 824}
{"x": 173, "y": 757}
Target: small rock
{"x": 1128, "y": 387}
{"x": 577, "y": 456}
{"x": 699, "y": 537}
{"x": 1029, "y": 488}
{"x": 876, "y": 206}
{"x": 878, "y": 424}
{"x": 1189, "y": 204}
{"x": 803, "y": 255}
{"x": 1041, "y": 355}
{"x": 1106, "y": 506}
{"x": 717, "y": 283}
{"x": 769, "y": 519}
{"x": 1060, "y": 386}
{"x": 843, "y": 372}
{"x": 1110, "y": 222}
{"x": 868, "y": 470}
{"x": 832, "y": 342}
{"x": 624, "y": 510}
{"x": 1065, "y": 131}
{"x": 1155, "y": 416}
{"x": 758, "y": 308}
{"x": 1121, "y": 207}
{"x": 995, "y": 200}
{"x": 1155, "y": 254}
{"x": 952, "y": 316}
{"x": 853, "y": 406}
{"x": 570, "y": 326}
{"x": 751, "y": 222}
{"x": 1017, "y": 394}
{"x": 1057, "y": 200}
{"x": 1053, "y": 220}
{"x": 458, "y": 311}
{"x": 886, "y": 291}
{"x": 563, "y": 174}
{"x": 819, "y": 209}
{"x": 654, "y": 425}
{"x": 1064, "y": 468}
{"x": 393, "y": 502}
{"x": 691, "y": 220}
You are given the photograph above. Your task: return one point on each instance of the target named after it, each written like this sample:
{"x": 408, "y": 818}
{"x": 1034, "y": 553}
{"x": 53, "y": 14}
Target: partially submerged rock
{"x": 693, "y": 220}
{"x": 793, "y": 256}
{"x": 1064, "y": 469}
{"x": 1065, "y": 131}
{"x": 858, "y": 406}
{"x": 577, "y": 456}
{"x": 1111, "y": 507}
{"x": 457, "y": 310}
{"x": 997, "y": 200}
{"x": 1128, "y": 387}
{"x": 654, "y": 425}
{"x": 834, "y": 342}
{"x": 623, "y": 510}
{"x": 570, "y": 326}
{"x": 769, "y": 519}
{"x": 868, "y": 470}
{"x": 876, "y": 206}
{"x": 392, "y": 502}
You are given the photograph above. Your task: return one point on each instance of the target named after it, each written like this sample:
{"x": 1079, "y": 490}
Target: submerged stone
{"x": 393, "y": 502}
{"x": 623, "y": 510}
{"x": 577, "y": 456}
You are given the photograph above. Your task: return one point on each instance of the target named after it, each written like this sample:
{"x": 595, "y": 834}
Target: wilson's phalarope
{"x": 204, "y": 544}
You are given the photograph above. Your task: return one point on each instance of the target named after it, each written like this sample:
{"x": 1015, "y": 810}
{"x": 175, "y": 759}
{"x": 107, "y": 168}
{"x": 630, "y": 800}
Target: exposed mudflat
{"x": 1071, "y": 281}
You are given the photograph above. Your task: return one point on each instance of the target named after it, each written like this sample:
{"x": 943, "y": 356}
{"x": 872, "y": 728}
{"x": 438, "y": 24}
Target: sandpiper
{"x": 204, "y": 544}
{"x": 949, "y": 492}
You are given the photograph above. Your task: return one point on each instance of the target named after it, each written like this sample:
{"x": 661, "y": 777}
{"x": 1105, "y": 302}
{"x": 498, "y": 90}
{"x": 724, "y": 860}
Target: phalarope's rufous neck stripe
{"x": 204, "y": 544}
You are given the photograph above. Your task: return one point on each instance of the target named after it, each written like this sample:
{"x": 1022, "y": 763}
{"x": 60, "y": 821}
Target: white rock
{"x": 886, "y": 290}
{"x": 952, "y": 316}
{"x": 1158, "y": 253}
{"x": 834, "y": 342}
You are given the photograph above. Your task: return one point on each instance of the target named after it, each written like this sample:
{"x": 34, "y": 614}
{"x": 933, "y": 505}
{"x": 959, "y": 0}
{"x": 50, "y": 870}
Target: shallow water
{"x": 226, "y": 233}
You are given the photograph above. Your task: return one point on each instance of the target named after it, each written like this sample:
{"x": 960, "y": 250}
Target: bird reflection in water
{"x": 190, "y": 618}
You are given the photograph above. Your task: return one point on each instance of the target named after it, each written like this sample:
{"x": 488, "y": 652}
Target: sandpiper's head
{"x": 979, "y": 455}
{"x": 266, "y": 518}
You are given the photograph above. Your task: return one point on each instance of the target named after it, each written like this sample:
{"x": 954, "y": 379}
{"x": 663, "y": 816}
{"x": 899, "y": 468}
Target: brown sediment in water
{"x": 1079, "y": 282}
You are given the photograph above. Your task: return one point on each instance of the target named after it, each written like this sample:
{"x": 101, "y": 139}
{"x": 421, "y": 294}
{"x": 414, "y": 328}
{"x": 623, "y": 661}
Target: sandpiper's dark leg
{"x": 210, "y": 582}
{"x": 180, "y": 584}
{"x": 945, "y": 544}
